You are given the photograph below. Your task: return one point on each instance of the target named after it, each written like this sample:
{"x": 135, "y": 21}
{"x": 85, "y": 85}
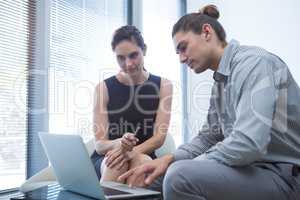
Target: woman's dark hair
{"x": 194, "y": 22}
{"x": 130, "y": 33}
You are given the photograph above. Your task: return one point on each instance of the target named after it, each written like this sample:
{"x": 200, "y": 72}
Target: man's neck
{"x": 217, "y": 56}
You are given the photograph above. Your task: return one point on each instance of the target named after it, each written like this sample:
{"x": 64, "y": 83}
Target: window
{"x": 161, "y": 58}
{"x": 80, "y": 57}
{"x": 16, "y": 45}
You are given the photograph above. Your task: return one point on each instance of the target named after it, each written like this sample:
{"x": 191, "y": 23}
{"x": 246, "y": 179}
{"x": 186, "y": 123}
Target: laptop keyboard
{"x": 110, "y": 191}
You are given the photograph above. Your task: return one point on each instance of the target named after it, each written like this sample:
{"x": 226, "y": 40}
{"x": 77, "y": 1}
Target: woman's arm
{"x": 162, "y": 121}
{"x": 100, "y": 120}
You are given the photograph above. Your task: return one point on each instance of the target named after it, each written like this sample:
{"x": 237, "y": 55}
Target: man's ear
{"x": 207, "y": 31}
{"x": 145, "y": 50}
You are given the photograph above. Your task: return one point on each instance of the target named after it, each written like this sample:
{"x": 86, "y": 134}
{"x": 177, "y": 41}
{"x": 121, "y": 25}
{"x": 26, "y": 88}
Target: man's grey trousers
{"x": 209, "y": 180}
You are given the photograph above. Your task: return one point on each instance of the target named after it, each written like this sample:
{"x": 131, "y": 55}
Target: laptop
{"x": 75, "y": 172}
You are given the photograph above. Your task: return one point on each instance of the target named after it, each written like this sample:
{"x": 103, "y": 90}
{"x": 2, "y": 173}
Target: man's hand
{"x": 128, "y": 141}
{"x": 151, "y": 170}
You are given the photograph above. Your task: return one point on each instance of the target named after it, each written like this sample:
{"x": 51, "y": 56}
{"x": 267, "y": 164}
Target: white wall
{"x": 161, "y": 58}
{"x": 271, "y": 24}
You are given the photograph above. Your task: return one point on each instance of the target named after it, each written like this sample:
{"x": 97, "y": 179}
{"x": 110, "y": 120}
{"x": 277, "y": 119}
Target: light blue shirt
{"x": 254, "y": 113}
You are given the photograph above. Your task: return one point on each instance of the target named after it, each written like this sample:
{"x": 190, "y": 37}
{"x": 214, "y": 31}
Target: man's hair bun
{"x": 210, "y": 10}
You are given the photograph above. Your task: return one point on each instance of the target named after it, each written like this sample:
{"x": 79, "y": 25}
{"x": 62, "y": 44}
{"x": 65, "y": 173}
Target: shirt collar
{"x": 224, "y": 66}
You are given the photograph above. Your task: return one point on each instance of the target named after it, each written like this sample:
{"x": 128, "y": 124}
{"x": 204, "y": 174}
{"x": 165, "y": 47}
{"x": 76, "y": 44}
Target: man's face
{"x": 130, "y": 57}
{"x": 193, "y": 50}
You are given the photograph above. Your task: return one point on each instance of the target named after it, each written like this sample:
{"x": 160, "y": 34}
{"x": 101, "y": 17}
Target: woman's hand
{"x": 128, "y": 141}
{"x": 118, "y": 157}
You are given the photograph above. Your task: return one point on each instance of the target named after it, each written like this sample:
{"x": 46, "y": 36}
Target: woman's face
{"x": 130, "y": 57}
{"x": 193, "y": 49}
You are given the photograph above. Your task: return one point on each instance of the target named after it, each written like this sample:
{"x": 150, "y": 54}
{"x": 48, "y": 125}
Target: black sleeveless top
{"x": 130, "y": 107}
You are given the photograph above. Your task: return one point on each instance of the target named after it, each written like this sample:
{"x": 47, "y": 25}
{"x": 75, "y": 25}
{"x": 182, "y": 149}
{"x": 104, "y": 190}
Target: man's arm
{"x": 208, "y": 136}
{"x": 254, "y": 110}
{"x": 198, "y": 145}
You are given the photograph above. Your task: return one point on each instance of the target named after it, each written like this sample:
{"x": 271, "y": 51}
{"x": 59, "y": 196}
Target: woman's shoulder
{"x": 105, "y": 82}
{"x": 161, "y": 79}
{"x": 165, "y": 84}
{"x": 110, "y": 79}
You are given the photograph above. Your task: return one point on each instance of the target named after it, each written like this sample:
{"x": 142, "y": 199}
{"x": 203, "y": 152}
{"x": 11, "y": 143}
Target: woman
{"x": 250, "y": 146}
{"x": 132, "y": 109}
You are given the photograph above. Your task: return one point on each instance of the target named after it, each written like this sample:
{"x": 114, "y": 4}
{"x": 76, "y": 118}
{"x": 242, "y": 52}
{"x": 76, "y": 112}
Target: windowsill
{"x": 7, "y": 194}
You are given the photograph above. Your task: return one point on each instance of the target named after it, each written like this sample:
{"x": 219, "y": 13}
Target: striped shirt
{"x": 254, "y": 113}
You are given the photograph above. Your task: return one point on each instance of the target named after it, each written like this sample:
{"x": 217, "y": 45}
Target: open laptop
{"x": 75, "y": 171}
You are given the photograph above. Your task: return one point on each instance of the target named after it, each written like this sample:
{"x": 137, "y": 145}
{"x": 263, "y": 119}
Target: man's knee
{"x": 189, "y": 176}
{"x": 175, "y": 176}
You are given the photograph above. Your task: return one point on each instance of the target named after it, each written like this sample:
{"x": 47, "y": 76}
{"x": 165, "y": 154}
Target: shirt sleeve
{"x": 254, "y": 110}
{"x": 208, "y": 136}
{"x": 199, "y": 144}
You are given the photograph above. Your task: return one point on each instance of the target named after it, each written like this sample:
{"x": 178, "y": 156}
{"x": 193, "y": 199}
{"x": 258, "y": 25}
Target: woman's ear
{"x": 145, "y": 50}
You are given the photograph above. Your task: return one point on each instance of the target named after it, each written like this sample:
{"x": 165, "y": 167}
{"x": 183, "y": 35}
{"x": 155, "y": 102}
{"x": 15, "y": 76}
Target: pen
{"x": 137, "y": 130}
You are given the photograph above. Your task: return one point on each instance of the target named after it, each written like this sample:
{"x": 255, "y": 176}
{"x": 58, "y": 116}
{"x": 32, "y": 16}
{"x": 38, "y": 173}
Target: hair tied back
{"x": 211, "y": 11}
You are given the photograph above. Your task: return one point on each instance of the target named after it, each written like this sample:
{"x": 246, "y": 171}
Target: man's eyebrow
{"x": 120, "y": 56}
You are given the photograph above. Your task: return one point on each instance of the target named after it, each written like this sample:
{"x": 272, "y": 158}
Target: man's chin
{"x": 199, "y": 70}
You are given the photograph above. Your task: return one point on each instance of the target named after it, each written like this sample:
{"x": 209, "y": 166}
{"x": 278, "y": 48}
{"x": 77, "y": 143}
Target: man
{"x": 250, "y": 146}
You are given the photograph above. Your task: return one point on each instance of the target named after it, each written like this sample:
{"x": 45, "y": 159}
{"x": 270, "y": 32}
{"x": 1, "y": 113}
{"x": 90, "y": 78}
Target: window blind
{"x": 80, "y": 53}
{"x": 17, "y": 19}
